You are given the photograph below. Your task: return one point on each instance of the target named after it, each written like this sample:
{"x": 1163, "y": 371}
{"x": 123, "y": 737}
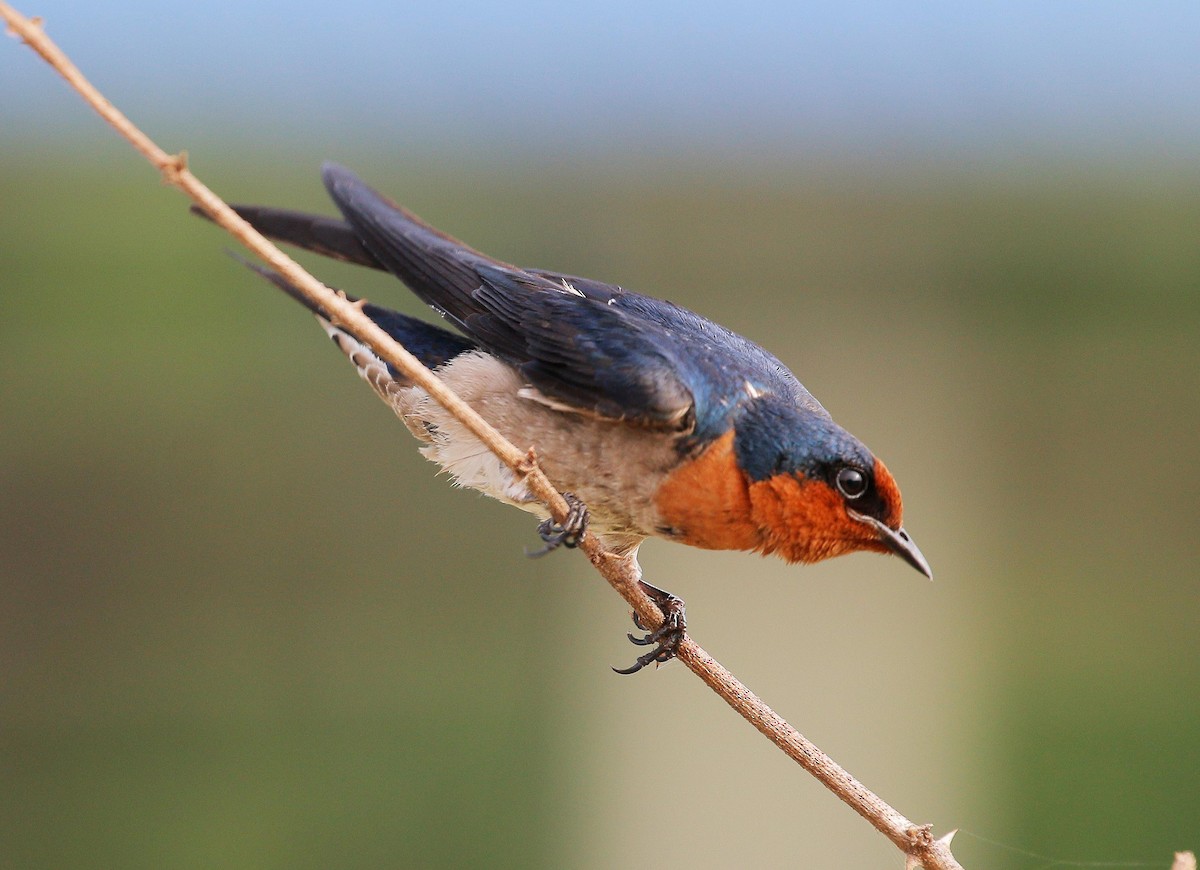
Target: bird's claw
{"x": 666, "y": 638}
{"x": 566, "y": 534}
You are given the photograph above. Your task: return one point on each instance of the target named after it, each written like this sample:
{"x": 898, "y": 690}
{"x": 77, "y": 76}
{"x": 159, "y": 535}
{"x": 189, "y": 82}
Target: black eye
{"x": 851, "y": 482}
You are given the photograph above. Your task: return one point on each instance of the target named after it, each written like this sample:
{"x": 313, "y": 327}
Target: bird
{"x": 655, "y": 421}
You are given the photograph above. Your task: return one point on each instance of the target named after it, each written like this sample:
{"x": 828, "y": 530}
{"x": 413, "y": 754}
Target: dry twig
{"x": 916, "y": 841}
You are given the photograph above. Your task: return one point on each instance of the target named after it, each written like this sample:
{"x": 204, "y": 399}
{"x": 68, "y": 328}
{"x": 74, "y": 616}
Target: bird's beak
{"x": 898, "y": 541}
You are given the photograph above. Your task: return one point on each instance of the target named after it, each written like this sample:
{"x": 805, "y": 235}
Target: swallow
{"x": 662, "y": 422}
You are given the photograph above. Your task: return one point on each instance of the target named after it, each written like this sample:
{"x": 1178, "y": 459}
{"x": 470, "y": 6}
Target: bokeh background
{"x": 242, "y": 623}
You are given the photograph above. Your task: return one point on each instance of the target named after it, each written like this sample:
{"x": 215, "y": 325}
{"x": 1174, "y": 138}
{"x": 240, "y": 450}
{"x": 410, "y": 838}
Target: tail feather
{"x": 430, "y": 344}
{"x": 327, "y": 236}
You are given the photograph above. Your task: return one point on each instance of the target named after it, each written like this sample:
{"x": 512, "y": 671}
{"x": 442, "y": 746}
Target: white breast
{"x": 613, "y": 467}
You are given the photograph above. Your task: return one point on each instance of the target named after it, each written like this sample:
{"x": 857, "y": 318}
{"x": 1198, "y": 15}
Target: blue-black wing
{"x": 585, "y": 344}
{"x": 576, "y": 350}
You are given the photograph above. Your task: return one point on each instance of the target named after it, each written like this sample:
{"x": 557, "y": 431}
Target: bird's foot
{"x": 666, "y": 638}
{"x": 566, "y": 534}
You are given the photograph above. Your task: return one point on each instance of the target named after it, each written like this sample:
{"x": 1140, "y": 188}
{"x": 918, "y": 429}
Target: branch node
{"x": 920, "y": 837}
{"x": 174, "y": 167}
{"x": 529, "y": 463}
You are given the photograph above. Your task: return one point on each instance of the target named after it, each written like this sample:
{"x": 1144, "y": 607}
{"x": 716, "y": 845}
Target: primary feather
{"x": 583, "y": 344}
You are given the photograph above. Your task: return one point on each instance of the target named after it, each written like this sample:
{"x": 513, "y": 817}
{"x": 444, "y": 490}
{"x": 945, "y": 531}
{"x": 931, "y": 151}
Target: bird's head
{"x": 790, "y": 481}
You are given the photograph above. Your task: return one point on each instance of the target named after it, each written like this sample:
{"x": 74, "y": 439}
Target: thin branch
{"x": 622, "y": 572}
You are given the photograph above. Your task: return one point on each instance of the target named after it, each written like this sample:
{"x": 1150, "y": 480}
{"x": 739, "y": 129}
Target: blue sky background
{"x": 872, "y": 79}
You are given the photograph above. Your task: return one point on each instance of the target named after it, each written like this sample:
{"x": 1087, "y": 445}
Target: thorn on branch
{"x": 529, "y": 464}
{"x": 36, "y": 22}
{"x": 357, "y": 304}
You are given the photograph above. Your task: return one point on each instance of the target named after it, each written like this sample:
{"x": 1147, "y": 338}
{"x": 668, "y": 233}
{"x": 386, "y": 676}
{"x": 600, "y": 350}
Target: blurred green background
{"x": 242, "y": 623}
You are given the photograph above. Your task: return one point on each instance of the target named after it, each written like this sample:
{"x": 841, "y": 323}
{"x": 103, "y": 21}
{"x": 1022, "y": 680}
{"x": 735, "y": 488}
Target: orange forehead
{"x": 885, "y": 485}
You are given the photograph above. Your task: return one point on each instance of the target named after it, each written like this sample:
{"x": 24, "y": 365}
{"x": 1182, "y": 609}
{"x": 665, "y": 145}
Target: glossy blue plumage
{"x": 773, "y": 437}
{"x": 590, "y": 345}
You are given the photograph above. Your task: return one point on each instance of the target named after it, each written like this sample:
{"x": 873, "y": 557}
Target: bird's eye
{"x": 851, "y": 482}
